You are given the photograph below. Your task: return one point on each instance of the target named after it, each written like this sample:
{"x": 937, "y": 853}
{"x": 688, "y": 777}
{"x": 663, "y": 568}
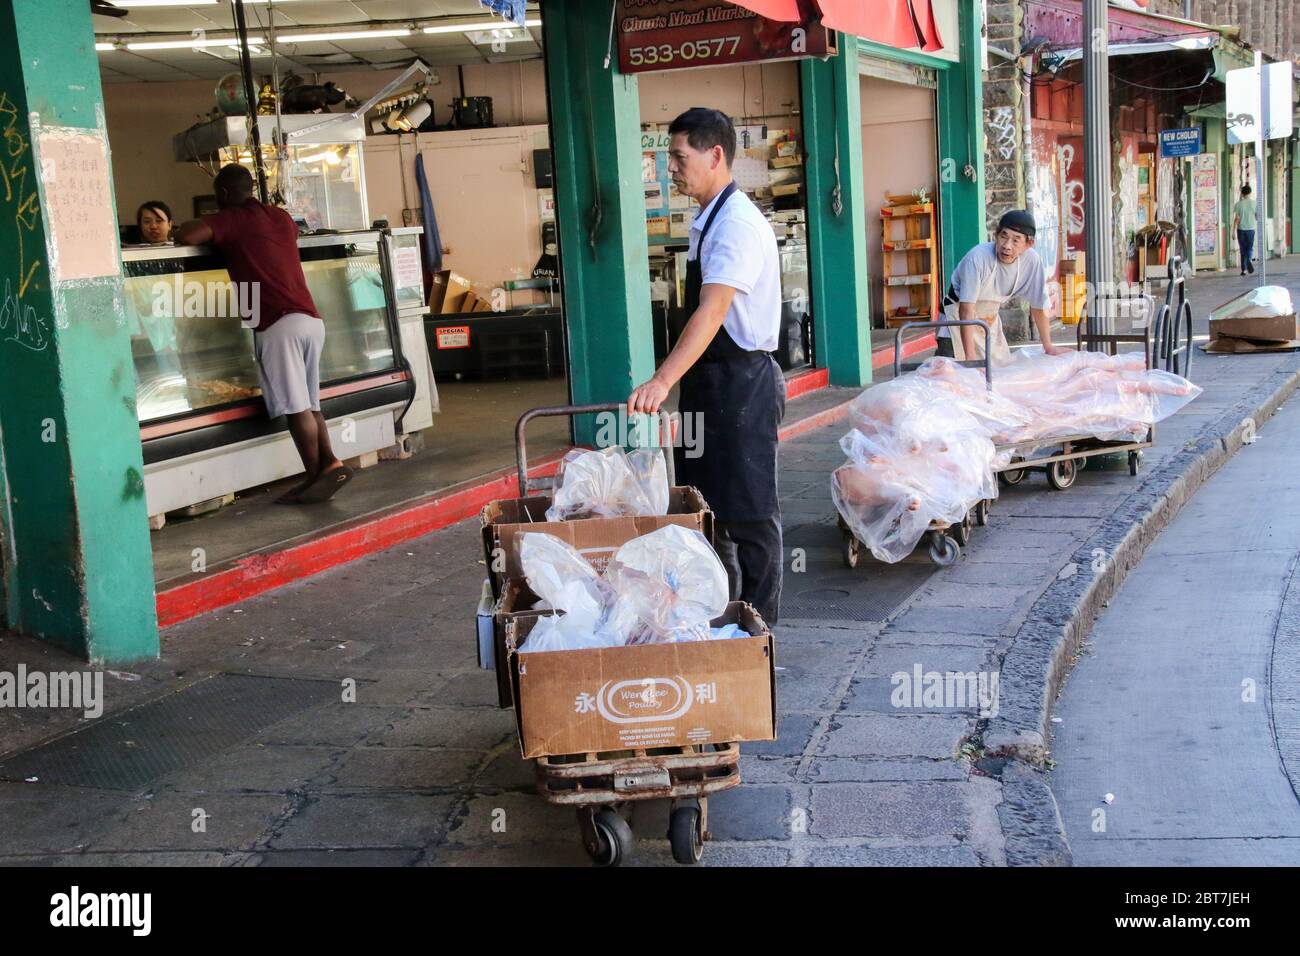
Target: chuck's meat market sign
{"x": 680, "y": 34}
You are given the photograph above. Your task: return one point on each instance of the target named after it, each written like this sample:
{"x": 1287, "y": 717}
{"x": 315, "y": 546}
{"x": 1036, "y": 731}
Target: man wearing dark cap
{"x": 988, "y": 276}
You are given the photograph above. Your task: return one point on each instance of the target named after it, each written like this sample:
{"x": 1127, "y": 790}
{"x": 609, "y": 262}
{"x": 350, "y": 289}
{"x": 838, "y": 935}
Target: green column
{"x": 77, "y": 565}
{"x": 595, "y": 119}
{"x": 1216, "y": 141}
{"x": 960, "y": 121}
{"x": 1293, "y": 190}
{"x": 837, "y": 250}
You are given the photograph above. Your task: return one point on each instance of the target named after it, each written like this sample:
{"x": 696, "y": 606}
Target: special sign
{"x": 680, "y": 34}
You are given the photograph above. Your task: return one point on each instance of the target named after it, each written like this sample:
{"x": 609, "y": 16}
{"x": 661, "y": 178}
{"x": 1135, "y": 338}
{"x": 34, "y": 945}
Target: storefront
{"x": 554, "y": 193}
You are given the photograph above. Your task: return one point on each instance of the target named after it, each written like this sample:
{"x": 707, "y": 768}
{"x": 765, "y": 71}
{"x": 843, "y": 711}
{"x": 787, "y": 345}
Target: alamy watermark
{"x": 617, "y": 428}
{"x": 952, "y": 690}
{"x": 74, "y": 690}
{"x": 191, "y": 299}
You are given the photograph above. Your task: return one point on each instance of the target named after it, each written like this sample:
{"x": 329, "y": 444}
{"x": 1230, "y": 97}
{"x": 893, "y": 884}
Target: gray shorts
{"x": 288, "y": 362}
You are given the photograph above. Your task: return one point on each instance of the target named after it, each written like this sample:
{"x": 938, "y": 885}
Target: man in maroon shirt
{"x": 260, "y": 245}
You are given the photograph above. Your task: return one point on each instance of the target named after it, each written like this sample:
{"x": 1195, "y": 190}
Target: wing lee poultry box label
{"x": 648, "y": 695}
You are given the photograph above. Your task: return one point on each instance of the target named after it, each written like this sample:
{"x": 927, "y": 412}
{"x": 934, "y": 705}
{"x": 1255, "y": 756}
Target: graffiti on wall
{"x": 19, "y": 321}
{"x": 1001, "y": 124}
{"x": 1044, "y": 203}
{"x": 1070, "y": 153}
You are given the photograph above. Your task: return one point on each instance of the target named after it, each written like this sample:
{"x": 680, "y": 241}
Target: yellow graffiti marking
{"x": 15, "y": 178}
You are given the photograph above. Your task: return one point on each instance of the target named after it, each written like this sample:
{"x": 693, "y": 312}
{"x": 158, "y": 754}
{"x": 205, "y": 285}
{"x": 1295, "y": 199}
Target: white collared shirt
{"x": 740, "y": 252}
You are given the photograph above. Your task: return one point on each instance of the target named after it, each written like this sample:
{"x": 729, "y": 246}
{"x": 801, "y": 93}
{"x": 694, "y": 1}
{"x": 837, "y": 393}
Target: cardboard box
{"x": 596, "y": 538}
{"x": 1276, "y": 328}
{"x": 1227, "y": 345}
{"x": 516, "y": 604}
{"x": 647, "y": 695}
{"x": 448, "y": 292}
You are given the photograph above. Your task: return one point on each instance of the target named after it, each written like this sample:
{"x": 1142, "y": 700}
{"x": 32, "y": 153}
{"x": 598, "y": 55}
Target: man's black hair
{"x": 706, "y": 128}
{"x": 1018, "y": 220}
{"x": 235, "y": 180}
{"x": 1245, "y": 190}
{"x": 154, "y": 206}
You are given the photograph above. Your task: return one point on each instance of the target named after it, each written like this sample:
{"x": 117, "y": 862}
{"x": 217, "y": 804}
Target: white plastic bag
{"x": 562, "y": 578}
{"x": 672, "y": 580}
{"x": 609, "y": 484}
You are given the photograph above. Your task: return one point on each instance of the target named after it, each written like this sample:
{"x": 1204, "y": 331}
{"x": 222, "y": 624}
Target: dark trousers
{"x": 1246, "y": 240}
{"x": 945, "y": 347}
{"x": 754, "y": 557}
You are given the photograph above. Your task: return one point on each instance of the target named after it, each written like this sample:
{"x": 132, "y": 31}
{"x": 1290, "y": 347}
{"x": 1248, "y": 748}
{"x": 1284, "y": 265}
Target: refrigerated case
{"x": 203, "y": 425}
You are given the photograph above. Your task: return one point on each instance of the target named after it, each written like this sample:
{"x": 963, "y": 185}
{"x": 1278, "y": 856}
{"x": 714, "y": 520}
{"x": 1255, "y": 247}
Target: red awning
{"x": 905, "y": 24}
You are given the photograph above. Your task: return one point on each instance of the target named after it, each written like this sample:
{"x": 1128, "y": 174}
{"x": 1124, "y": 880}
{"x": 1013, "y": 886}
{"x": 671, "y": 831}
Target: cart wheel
{"x": 1013, "y": 477}
{"x": 1061, "y": 474}
{"x": 613, "y": 838}
{"x": 961, "y": 531}
{"x": 1134, "y": 462}
{"x": 686, "y": 835}
{"x": 982, "y": 513}
{"x": 851, "y": 551}
{"x": 944, "y": 550}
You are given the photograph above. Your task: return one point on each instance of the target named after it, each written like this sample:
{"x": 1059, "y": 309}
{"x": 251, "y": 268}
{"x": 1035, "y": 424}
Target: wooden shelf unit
{"x": 920, "y": 276}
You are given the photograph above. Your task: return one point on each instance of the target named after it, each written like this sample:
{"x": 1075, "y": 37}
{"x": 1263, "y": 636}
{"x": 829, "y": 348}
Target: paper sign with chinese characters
{"x": 78, "y": 204}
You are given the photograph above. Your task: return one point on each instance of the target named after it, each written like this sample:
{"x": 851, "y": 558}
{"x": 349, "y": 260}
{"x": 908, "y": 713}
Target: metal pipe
{"x": 1096, "y": 166}
{"x": 246, "y": 69}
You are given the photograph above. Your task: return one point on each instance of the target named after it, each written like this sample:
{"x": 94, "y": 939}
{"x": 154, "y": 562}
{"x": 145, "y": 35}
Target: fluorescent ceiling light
{"x": 104, "y": 46}
{"x": 127, "y": 4}
{"x": 481, "y": 25}
{"x": 346, "y": 35}
{"x": 190, "y": 44}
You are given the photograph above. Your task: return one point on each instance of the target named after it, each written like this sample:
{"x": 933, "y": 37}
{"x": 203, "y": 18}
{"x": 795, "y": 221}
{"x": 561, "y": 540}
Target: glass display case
{"x": 194, "y": 357}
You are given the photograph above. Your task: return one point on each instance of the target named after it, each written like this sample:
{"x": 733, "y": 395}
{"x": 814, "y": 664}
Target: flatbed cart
{"x": 944, "y": 541}
{"x": 596, "y": 784}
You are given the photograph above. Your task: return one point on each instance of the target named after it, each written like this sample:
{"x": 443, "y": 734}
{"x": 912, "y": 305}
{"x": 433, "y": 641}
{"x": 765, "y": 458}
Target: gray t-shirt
{"x": 981, "y": 277}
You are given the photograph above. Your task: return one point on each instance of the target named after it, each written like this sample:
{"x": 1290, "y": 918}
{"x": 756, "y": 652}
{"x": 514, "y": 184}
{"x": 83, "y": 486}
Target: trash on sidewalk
{"x": 1262, "y": 320}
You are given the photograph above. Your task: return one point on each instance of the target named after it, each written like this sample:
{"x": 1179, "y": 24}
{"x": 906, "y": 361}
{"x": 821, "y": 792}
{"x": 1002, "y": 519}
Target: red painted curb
{"x": 805, "y": 382}
{"x": 237, "y": 580}
{"x": 242, "y": 578}
{"x": 882, "y": 357}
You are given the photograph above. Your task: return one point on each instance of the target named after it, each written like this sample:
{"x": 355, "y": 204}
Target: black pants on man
{"x": 752, "y": 553}
{"x": 944, "y": 346}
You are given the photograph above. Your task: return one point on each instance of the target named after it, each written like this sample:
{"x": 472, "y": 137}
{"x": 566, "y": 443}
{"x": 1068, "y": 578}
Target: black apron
{"x": 738, "y": 397}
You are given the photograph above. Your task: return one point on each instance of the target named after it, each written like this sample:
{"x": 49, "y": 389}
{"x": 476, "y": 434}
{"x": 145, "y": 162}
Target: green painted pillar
{"x": 1216, "y": 141}
{"x": 837, "y": 250}
{"x": 961, "y": 147}
{"x": 1293, "y": 190}
{"x": 77, "y": 565}
{"x": 595, "y": 118}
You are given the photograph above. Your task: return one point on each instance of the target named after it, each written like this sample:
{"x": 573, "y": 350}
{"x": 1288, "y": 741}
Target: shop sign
{"x": 1180, "y": 142}
{"x": 453, "y": 337}
{"x": 683, "y": 34}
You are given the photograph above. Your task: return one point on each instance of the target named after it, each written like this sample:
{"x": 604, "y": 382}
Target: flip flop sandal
{"x": 325, "y": 486}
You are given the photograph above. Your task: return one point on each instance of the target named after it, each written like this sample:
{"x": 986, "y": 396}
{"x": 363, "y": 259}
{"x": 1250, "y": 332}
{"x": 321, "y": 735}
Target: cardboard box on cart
{"x": 595, "y": 538}
{"x": 646, "y": 695}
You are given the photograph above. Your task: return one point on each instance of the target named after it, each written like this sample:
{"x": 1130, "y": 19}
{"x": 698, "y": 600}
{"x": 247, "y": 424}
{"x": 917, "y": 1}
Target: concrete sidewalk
{"x": 244, "y": 724}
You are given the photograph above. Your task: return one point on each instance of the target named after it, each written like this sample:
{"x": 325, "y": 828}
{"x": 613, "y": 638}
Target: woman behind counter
{"x": 154, "y": 220}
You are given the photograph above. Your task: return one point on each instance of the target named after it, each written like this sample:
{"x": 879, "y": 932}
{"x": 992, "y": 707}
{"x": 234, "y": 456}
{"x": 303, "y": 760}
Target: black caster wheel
{"x": 961, "y": 531}
{"x": 1134, "y": 462}
{"x": 851, "y": 551}
{"x": 1013, "y": 477}
{"x": 982, "y": 513}
{"x": 944, "y": 550}
{"x": 686, "y": 834}
{"x": 613, "y": 838}
{"x": 1061, "y": 474}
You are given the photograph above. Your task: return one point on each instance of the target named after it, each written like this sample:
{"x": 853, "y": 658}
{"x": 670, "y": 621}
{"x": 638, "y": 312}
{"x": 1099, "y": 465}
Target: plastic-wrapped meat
{"x": 923, "y": 447}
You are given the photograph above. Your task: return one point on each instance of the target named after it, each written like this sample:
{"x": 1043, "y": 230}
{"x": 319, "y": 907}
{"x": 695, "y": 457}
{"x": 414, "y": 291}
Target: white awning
{"x": 1167, "y": 45}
